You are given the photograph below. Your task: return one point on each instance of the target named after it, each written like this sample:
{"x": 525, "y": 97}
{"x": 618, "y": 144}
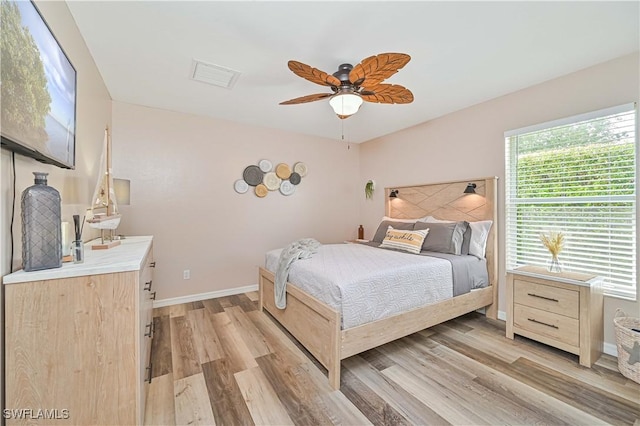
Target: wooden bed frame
{"x": 317, "y": 326}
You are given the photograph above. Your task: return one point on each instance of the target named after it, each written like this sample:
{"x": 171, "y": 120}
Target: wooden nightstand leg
{"x": 591, "y": 324}
{"x": 509, "y": 295}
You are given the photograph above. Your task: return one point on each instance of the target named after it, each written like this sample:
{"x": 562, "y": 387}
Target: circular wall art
{"x": 253, "y": 175}
{"x": 265, "y": 165}
{"x": 241, "y": 186}
{"x": 264, "y": 177}
{"x": 287, "y": 188}
{"x": 271, "y": 181}
{"x": 295, "y": 178}
{"x": 283, "y": 171}
{"x": 300, "y": 168}
{"x": 261, "y": 190}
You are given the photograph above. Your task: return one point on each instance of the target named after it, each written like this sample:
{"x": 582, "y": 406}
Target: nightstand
{"x": 563, "y": 310}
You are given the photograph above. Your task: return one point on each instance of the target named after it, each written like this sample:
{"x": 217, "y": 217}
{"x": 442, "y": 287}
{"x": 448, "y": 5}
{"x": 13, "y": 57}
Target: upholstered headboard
{"x": 447, "y": 200}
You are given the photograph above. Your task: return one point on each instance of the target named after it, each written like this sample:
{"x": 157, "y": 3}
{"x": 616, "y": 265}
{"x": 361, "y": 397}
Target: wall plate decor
{"x": 265, "y": 165}
{"x": 264, "y": 178}
{"x": 241, "y": 186}
{"x": 283, "y": 171}
{"x": 295, "y": 178}
{"x": 300, "y": 168}
{"x": 287, "y": 188}
{"x": 261, "y": 190}
{"x": 253, "y": 175}
{"x": 271, "y": 181}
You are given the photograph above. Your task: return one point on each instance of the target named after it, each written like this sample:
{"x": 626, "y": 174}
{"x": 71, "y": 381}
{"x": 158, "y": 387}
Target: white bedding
{"x": 366, "y": 283}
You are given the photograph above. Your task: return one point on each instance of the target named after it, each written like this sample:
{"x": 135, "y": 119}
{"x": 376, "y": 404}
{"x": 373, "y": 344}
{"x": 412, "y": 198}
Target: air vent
{"x": 214, "y": 74}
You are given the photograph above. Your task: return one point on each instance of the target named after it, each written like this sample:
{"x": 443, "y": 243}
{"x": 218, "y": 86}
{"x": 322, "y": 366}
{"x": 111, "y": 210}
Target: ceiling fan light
{"x": 345, "y": 104}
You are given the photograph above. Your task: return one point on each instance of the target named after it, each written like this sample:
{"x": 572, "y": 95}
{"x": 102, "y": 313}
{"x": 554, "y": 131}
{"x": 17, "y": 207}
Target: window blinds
{"x": 576, "y": 176}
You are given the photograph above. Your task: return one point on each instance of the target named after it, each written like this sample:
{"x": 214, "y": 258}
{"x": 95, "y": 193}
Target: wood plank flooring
{"x": 223, "y": 362}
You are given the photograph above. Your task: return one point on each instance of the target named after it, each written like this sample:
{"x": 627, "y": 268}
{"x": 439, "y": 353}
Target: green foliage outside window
{"x": 547, "y": 174}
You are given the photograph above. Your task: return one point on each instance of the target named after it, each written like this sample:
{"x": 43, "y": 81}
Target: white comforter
{"x": 367, "y": 283}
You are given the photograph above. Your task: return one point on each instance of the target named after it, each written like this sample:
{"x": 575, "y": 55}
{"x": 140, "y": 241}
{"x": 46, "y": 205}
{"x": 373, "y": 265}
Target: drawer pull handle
{"x": 149, "y": 371}
{"x": 152, "y": 264}
{"x": 150, "y": 331}
{"x": 153, "y": 296}
{"x": 543, "y": 297}
{"x": 543, "y": 323}
{"x": 147, "y": 285}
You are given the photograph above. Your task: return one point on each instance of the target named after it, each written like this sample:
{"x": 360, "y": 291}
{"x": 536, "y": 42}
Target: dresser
{"x": 78, "y": 338}
{"x": 564, "y": 310}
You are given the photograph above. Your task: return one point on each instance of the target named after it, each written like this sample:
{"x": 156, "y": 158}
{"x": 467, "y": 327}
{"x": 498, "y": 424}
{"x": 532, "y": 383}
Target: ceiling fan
{"x": 353, "y": 85}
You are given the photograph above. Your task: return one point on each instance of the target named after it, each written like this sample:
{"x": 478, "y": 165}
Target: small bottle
{"x": 361, "y": 233}
{"x": 41, "y": 226}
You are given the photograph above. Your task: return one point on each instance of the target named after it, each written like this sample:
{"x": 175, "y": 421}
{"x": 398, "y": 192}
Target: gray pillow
{"x": 466, "y": 241}
{"x": 384, "y": 225}
{"x": 443, "y": 237}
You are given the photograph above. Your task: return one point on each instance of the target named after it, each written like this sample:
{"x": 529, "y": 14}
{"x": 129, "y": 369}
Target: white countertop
{"x": 568, "y": 277}
{"x": 128, "y": 256}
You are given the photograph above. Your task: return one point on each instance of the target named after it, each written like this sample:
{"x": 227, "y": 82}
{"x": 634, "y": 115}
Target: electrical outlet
{"x": 186, "y": 274}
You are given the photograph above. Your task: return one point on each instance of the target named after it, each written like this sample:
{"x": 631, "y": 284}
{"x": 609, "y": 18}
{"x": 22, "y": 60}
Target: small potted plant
{"x": 369, "y": 187}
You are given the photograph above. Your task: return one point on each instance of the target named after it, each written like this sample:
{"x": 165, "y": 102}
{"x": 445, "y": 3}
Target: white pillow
{"x": 479, "y": 235}
{"x": 393, "y": 219}
{"x": 431, "y": 219}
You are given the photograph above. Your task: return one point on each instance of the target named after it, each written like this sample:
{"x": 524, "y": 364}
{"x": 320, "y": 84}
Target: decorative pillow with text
{"x": 409, "y": 241}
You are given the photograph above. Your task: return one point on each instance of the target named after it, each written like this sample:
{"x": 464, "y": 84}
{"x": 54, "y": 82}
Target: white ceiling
{"x": 463, "y": 53}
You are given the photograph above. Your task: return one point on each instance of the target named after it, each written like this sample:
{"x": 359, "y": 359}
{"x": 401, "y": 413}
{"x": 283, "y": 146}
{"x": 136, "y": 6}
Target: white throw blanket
{"x": 301, "y": 249}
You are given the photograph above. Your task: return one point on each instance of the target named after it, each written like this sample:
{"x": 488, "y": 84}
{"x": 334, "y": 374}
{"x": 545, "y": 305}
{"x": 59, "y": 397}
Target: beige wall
{"x": 93, "y": 114}
{"x": 470, "y": 143}
{"x": 182, "y": 170}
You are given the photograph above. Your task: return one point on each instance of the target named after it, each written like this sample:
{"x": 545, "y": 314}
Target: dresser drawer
{"x": 553, "y": 326}
{"x": 547, "y": 298}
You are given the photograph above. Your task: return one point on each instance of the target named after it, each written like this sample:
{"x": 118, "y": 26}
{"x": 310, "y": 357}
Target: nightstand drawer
{"x": 553, "y": 326}
{"x": 547, "y": 298}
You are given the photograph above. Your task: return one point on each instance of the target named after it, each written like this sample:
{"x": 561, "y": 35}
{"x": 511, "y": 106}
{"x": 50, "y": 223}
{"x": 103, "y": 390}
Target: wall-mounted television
{"x": 38, "y": 88}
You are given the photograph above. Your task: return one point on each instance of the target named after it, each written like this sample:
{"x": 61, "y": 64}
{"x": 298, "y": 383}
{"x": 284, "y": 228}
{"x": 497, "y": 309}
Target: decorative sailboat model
{"x": 104, "y": 210}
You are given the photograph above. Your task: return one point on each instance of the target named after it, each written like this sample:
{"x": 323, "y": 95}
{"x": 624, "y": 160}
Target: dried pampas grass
{"x": 553, "y": 241}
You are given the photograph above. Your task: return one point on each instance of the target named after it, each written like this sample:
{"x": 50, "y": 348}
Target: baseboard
{"x": 204, "y": 296}
{"x": 502, "y": 315}
{"x": 609, "y": 348}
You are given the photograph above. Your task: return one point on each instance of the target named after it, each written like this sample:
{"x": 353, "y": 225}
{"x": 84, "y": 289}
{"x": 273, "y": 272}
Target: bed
{"x": 330, "y": 334}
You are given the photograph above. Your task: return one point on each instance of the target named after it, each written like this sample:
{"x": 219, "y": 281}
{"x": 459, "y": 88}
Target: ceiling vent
{"x": 214, "y": 74}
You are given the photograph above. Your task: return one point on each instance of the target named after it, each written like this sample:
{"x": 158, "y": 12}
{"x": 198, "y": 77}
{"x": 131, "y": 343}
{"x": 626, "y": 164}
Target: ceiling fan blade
{"x": 378, "y": 68}
{"x": 314, "y": 75}
{"x": 305, "y": 99}
{"x": 388, "y": 94}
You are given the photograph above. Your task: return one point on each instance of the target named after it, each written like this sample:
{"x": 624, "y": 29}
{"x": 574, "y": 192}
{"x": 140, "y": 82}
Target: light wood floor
{"x": 223, "y": 362}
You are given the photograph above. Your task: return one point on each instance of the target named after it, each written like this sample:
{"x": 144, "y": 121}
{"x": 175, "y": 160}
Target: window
{"x": 576, "y": 176}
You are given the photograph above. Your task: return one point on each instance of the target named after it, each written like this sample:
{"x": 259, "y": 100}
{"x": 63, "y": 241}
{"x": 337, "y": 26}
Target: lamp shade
{"x": 122, "y": 189}
{"x": 470, "y": 189}
{"x": 345, "y": 103}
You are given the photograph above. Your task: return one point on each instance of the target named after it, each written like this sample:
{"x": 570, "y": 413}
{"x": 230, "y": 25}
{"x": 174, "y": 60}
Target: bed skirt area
{"x": 317, "y": 326}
